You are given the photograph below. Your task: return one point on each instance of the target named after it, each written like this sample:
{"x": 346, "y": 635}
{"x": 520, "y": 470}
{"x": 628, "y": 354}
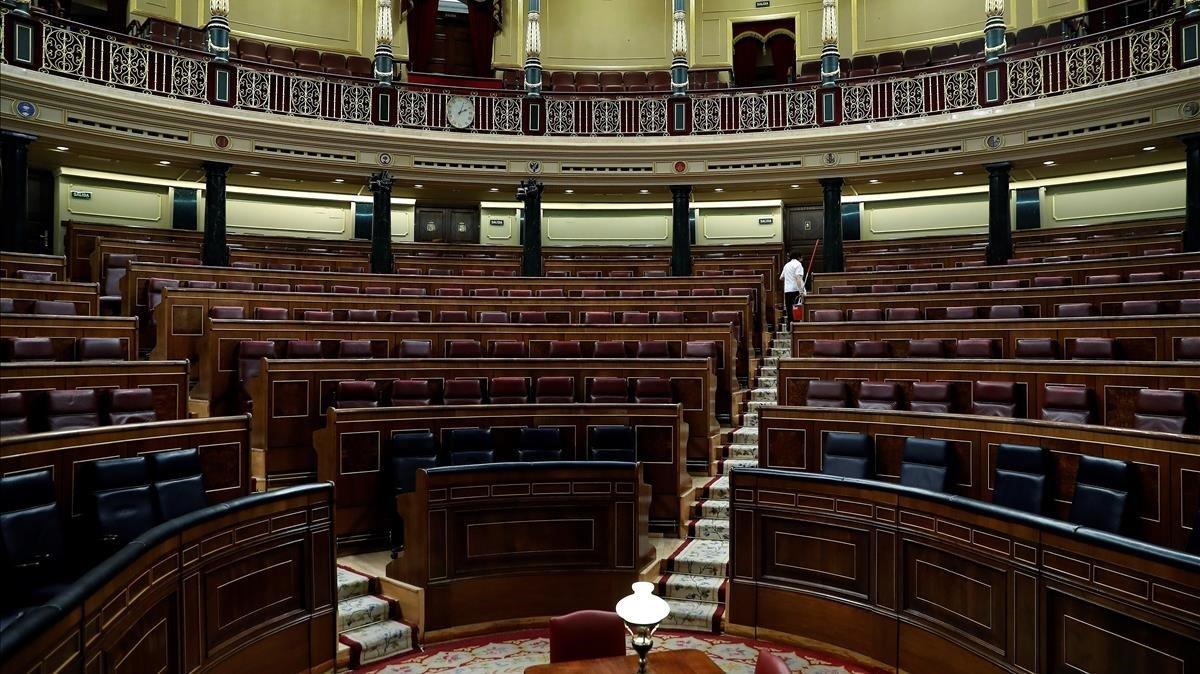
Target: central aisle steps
{"x": 695, "y": 577}
{"x": 368, "y": 624}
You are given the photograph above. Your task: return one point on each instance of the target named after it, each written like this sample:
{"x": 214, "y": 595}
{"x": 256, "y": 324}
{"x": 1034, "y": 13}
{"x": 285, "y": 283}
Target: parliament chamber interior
{"x": 560, "y": 336}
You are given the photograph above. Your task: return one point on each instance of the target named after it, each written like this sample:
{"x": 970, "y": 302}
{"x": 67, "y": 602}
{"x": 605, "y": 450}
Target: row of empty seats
{"x": 1077, "y": 348}
{"x": 31, "y": 275}
{"x": 415, "y": 450}
{"x": 463, "y": 316}
{"x": 41, "y": 553}
{"x": 500, "y": 391}
{"x": 1036, "y": 282}
{"x": 61, "y": 410}
{"x": 1103, "y": 497}
{"x": 155, "y": 286}
{"x": 30, "y": 349}
{"x": 1006, "y": 311}
{"x": 1166, "y": 411}
{"x": 9, "y": 305}
{"x": 1083, "y": 257}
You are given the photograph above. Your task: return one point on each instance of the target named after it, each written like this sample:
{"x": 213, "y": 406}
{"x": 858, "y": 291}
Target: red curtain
{"x": 745, "y": 60}
{"x": 422, "y": 22}
{"x": 483, "y": 29}
{"x": 783, "y": 56}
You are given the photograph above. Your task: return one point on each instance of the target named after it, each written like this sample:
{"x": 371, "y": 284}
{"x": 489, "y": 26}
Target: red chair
{"x": 609, "y": 390}
{"x": 510, "y": 391}
{"x": 565, "y": 349}
{"x": 769, "y": 663}
{"x": 586, "y": 635}
{"x": 554, "y": 390}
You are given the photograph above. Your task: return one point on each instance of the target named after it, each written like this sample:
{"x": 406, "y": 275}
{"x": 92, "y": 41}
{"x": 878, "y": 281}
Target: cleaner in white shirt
{"x": 793, "y": 284}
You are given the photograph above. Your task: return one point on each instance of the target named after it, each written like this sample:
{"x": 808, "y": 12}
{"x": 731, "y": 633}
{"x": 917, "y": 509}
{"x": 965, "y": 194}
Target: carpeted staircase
{"x": 696, "y": 576}
{"x": 369, "y": 626}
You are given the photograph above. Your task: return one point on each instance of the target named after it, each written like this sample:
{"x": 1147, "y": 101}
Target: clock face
{"x": 460, "y": 112}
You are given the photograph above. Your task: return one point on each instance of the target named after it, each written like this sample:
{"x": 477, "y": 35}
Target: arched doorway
{"x": 764, "y": 52}
{"x": 452, "y": 37}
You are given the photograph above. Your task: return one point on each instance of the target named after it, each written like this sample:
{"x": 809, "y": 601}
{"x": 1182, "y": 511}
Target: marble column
{"x": 215, "y": 250}
{"x": 531, "y": 229}
{"x": 679, "y": 49}
{"x": 385, "y": 62}
{"x": 381, "y": 224}
{"x": 15, "y": 234}
{"x": 1000, "y": 243}
{"x": 832, "y": 245}
{"x": 993, "y": 30}
{"x": 681, "y": 233}
{"x": 533, "y": 49}
{"x": 830, "y": 58}
{"x": 218, "y": 29}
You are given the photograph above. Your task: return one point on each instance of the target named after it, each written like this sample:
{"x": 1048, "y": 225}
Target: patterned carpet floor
{"x": 512, "y": 652}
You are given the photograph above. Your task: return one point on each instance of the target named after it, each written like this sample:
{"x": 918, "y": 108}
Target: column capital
{"x": 999, "y": 167}
{"x": 681, "y": 190}
{"x": 216, "y": 167}
{"x": 831, "y": 182}
{"x": 381, "y": 182}
{"x": 17, "y": 136}
{"x": 1190, "y": 140}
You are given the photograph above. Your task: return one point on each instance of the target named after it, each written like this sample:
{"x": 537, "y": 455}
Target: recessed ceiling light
{"x": 1049, "y": 162}
{"x": 255, "y": 173}
{"x": 1150, "y": 148}
{"x": 569, "y": 191}
{"x": 339, "y": 180}
{"x": 958, "y": 173}
{"x": 719, "y": 189}
{"x": 874, "y": 181}
{"x": 418, "y": 186}
{"x": 62, "y": 148}
{"x": 795, "y": 187}
{"x": 164, "y": 162}
{"x": 494, "y": 189}
{"x": 644, "y": 191}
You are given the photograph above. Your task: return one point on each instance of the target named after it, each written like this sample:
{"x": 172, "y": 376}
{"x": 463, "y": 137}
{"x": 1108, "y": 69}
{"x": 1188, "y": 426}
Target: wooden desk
{"x": 687, "y": 661}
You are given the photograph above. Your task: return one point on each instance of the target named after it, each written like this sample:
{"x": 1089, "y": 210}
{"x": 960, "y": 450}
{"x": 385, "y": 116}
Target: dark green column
{"x": 1191, "y": 227}
{"x": 1000, "y": 243}
{"x": 832, "y": 246}
{"x": 681, "y": 234}
{"x": 215, "y": 251}
{"x": 530, "y": 193}
{"x": 14, "y": 160}
{"x": 381, "y": 223}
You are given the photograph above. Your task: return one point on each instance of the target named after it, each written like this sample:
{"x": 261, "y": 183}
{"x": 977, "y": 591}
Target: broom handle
{"x": 810, "y": 264}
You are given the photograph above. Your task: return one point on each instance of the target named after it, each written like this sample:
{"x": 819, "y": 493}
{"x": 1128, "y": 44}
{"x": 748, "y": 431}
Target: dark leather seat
{"x": 1165, "y": 411}
{"x": 362, "y": 315}
{"x": 178, "y": 482}
{"x": 635, "y": 318}
{"x": 550, "y": 292}
{"x": 1187, "y": 348}
{"x": 976, "y": 348}
{"x": 554, "y": 390}
{"x": 884, "y": 288}
{"x": 506, "y": 348}
{"x": 309, "y": 288}
{"x": 931, "y": 397}
{"x": 227, "y": 312}
{"x": 237, "y": 285}
{"x": 586, "y": 635}
{"x": 355, "y": 348}
{"x": 870, "y": 348}
{"x": 539, "y": 444}
{"x": 1037, "y": 347}
{"x": 903, "y": 314}
{"x": 453, "y": 316}
{"x": 468, "y": 446}
{"x": 964, "y": 285}
{"x": 961, "y": 313}
{"x": 702, "y": 348}
{"x": 1193, "y": 544}
{"x": 410, "y": 452}
{"x": 509, "y": 391}
{"x": 314, "y": 315}
{"x": 597, "y": 317}
{"x": 612, "y": 443}
{"x": 827, "y": 394}
{"x": 121, "y": 501}
{"x": 1103, "y": 494}
{"x": 485, "y": 292}
{"x": 923, "y": 288}
{"x": 448, "y": 292}
{"x": 1051, "y": 281}
{"x": 270, "y": 314}
{"x": 653, "y": 391}
{"x": 275, "y": 287}
{"x": 1139, "y": 308}
{"x": 1006, "y": 283}
{"x": 115, "y": 269}
{"x": 1020, "y": 481}
{"x": 994, "y": 399}
{"x": 704, "y": 292}
{"x": 1068, "y": 404}
{"x": 28, "y": 275}
{"x": 14, "y": 414}
{"x": 72, "y": 408}
{"x": 302, "y": 348}
{"x": 927, "y": 464}
{"x": 857, "y": 315}
{"x": 250, "y": 355}
{"x": 462, "y": 391}
{"x": 610, "y": 349}
{"x": 1075, "y": 310}
{"x": 826, "y": 316}
{"x": 566, "y": 349}
{"x": 926, "y": 348}
{"x": 1094, "y": 348}
{"x": 873, "y": 395}
{"x": 890, "y": 62}
{"x": 519, "y": 292}
{"x": 848, "y": 455}
{"x": 531, "y": 317}
{"x": 829, "y": 348}
{"x": 668, "y": 317}
{"x": 493, "y": 317}
{"x": 1006, "y": 311}
{"x": 1147, "y": 277}
{"x": 33, "y": 552}
{"x": 54, "y": 308}
{"x": 28, "y": 349}
{"x": 130, "y": 406}
{"x": 99, "y": 348}
{"x": 463, "y": 348}
{"x": 410, "y": 393}
{"x": 410, "y": 292}
{"x": 653, "y": 349}
{"x": 355, "y": 394}
{"x": 1102, "y": 279}
{"x": 406, "y": 316}
{"x": 609, "y": 390}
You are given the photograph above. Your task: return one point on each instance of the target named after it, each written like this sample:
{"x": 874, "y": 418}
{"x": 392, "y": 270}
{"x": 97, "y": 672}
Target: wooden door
{"x": 803, "y": 227}
{"x": 462, "y": 226}
{"x": 431, "y": 225}
{"x": 447, "y": 225}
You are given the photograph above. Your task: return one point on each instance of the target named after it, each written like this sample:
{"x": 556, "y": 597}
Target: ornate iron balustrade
{"x": 59, "y": 47}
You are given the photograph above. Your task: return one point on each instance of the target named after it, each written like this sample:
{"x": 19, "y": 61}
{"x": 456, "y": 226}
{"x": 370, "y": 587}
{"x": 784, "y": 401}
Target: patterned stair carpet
{"x": 511, "y": 653}
{"x": 696, "y": 575}
{"x": 368, "y": 624}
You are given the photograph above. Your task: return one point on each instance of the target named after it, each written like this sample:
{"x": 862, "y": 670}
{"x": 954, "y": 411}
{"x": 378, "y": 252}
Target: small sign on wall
{"x": 759, "y": 4}
{"x": 496, "y": 222}
{"x": 766, "y": 221}
{"x": 79, "y": 194}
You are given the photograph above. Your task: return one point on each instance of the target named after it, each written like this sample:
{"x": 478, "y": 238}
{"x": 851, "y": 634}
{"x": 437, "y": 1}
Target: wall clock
{"x": 460, "y": 112}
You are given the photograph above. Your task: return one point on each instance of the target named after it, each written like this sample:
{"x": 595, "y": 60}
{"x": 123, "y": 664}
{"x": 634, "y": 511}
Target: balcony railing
{"x": 83, "y": 53}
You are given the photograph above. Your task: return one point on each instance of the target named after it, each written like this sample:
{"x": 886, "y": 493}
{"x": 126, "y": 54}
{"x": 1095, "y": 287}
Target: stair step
{"x": 700, "y": 558}
{"x": 768, "y": 382}
{"x": 743, "y": 451}
{"x": 377, "y": 641}
{"x": 717, "y": 489}
{"x": 759, "y": 404}
{"x": 351, "y": 584}
{"x": 695, "y": 616}
{"x": 687, "y": 587}
{"x": 357, "y": 612}
{"x": 729, "y": 464}
{"x": 750, "y": 419}
{"x": 711, "y": 509}
{"x": 746, "y": 435}
{"x": 709, "y": 529}
{"x": 764, "y": 394}
{"x": 768, "y": 371}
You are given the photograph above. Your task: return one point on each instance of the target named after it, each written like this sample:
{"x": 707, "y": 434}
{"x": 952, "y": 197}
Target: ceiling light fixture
{"x": 874, "y": 181}
{"x": 62, "y": 148}
{"x": 1049, "y": 162}
{"x": 569, "y": 191}
{"x": 339, "y": 180}
{"x": 256, "y": 173}
{"x": 1150, "y": 148}
{"x": 164, "y": 162}
{"x": 644, "y": 191}
{"x": 418, "y": 186}
{"x": 719, "y": 189}
{"x": 958, "y": 173}
{"x": 494, "y": 189}
{"x": 795, "y": 187}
